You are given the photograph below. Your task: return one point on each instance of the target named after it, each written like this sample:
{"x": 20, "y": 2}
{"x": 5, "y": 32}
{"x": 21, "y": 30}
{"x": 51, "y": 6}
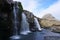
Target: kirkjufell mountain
{"x": 49, "y": 21}
{"x": 48, "y": 17}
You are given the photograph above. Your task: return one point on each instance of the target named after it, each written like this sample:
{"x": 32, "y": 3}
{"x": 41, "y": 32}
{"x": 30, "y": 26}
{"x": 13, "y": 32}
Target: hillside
{"x": 48, "y": 21}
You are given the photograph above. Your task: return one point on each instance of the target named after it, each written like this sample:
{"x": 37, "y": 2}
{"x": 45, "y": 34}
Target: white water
{"x": 37, "y": 24}
{"x": 24, "y": 25}
{"x": 15, "y": 37}
{"x": 15, "y": 21}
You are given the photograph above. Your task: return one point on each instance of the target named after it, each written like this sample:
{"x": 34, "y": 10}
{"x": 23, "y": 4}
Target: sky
{"x": 41, "y": 7}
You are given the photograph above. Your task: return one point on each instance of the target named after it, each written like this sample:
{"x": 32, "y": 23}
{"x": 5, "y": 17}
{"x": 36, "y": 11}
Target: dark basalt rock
{"x": 5, "y": 6}
{"x": 5, "y": 20}
{"x": 6, "y": 14}
{"x": 30, "y": 19}
{"x": 18, "y": 15}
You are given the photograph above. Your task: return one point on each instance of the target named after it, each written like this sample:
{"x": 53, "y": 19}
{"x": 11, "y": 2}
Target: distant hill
{"x": 49, "y": 21}
{"x": 48, "y": 17}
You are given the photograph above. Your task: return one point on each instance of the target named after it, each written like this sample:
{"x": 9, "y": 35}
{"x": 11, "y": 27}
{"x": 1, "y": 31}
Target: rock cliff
{"x": 6, "y": 17}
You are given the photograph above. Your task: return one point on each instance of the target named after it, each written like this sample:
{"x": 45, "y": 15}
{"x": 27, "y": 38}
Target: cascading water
{"x": 15, "y": 22}
{"x": 24, "y": 25}
{"x": 37, "y": 24}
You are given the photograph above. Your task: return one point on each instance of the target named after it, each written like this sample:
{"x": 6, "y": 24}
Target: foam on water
{"x": 15, "y": 37}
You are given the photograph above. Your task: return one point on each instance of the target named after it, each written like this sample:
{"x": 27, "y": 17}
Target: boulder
{"x": 56, "y": 28}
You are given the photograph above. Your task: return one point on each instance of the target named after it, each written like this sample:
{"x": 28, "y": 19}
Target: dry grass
{"x": 49, "y": 23}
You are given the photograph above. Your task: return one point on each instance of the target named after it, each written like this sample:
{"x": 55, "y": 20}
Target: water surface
{"x": 38, "y": 35}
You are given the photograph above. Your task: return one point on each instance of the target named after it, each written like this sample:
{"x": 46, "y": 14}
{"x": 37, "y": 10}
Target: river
{"x": 43, "y": 35}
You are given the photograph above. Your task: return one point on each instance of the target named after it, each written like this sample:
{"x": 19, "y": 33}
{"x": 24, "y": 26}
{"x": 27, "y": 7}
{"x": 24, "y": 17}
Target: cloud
{"x": 29, "y": 5}
{"x": 35, "y": 6}
{"x": 53, "y": 9}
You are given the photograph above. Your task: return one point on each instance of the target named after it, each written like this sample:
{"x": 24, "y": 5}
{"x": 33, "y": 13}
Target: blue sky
{"x": 41, "y": 7}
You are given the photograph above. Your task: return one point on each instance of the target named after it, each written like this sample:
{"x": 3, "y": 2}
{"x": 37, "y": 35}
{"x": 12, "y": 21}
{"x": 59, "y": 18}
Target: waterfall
{"x": 37, "y": 24}
{"x": 24, "y": 25}
{"x": 15, "y": 22}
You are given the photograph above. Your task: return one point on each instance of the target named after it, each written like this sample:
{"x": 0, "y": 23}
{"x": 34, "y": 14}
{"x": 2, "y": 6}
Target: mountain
{"x": 48, "y": 17}
{"x": 49, "y": 21}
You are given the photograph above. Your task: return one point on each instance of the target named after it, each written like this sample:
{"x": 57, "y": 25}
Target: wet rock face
{"x": 9, "y": 1}
{"x": 19, "y": 9}
{"x": 30, "y": 19}
{"x": 4, "y": 26}
{"x": 5, "y": 5}
{"x": 5, "y": 12}
{"x": 30, "y": 16}
{"x": 5, "y": 19}
{"x": 6, "y": 1}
